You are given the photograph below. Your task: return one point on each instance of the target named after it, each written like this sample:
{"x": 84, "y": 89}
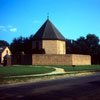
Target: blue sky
{"x": 73, "y": 18}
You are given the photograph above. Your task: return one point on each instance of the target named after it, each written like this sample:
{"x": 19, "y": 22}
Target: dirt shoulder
{"x": 45, "y": 78}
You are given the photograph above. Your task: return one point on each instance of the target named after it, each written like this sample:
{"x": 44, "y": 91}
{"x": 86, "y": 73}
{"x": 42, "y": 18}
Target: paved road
{"x": 77, "y": 88}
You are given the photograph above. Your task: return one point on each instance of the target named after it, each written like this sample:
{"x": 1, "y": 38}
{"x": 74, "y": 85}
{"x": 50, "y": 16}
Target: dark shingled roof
{"x": 48, "y": 32}
{"x": 7, "y": 56}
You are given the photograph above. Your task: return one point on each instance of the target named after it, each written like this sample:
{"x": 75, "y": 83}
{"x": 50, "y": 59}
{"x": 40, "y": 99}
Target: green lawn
{"x": 28, "y": 70}
{"x": 94, "y": 68}
{"x": 23, "y": 70}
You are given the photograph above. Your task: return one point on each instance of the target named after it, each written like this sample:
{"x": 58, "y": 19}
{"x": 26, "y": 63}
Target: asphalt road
{"x": 76, "y": 88}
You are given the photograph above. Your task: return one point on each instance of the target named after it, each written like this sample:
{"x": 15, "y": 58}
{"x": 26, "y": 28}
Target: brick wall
{"x": 81, "y": 59}
{"x": 69, "y": 59}
{"x": 50, "y": 46}
{"x": 54, "y": 46}
{"x": 47, "y": 59}
{"x": 52, "y": 59}
{"x": 61, "y": 47}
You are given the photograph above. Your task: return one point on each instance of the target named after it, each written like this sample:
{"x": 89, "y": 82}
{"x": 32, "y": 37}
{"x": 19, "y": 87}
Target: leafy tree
{"x": 92, "y": 43}
{"x": 68, "y": 46}
{"x": 89, "y": 45}
{"x": 3, "y": 43}
{"x": 22, "y": 44}
{"x": 17, "y": 45}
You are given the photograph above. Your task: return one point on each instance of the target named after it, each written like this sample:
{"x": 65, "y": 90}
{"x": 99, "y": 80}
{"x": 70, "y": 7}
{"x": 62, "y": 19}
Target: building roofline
{"x": 48, "y": 32}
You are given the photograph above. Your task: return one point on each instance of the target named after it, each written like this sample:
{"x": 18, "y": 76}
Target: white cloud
{"x": 13, "y": 29}
{"x": 2, "y": 27}
{"x": 7, "y": 28}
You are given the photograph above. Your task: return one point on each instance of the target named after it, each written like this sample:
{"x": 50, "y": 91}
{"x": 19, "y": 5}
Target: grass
{"x": 28, "y": 70}
{"x": 10, "y": 80}
{"x": 32, "y": 70}
{"x": 23, "y": 70}
{"x": 94, "y": 68}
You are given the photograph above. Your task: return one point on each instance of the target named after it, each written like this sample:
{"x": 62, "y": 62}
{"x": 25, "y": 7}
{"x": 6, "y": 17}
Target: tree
{"x": 3, "y": 43}
{"x": 68, "y": 46}
{"x": 22, "y": 44}
{"x": 92, "y": 43}
{"x": 93, "y": 48}
{"x": 17, "y": 45}
{"x": 89, "y": 45}
{"x": 81, "y": 45}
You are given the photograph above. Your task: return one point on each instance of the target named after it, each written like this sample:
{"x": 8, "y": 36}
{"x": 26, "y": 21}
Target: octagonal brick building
{"x": 53, "y": 44}
{"x": 49, "y": 39}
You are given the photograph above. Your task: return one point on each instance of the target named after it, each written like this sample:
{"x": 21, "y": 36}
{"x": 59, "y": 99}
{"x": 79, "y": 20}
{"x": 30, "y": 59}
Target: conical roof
{"x": 48, "y": 32}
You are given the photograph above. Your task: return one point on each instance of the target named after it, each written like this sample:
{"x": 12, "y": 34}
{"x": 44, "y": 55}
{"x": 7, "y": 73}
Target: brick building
{"x": 50, "y": 47}
{"x": 49, "y": 39}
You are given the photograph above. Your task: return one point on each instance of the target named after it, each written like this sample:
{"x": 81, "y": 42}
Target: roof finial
{"x": 47, "y": 15}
